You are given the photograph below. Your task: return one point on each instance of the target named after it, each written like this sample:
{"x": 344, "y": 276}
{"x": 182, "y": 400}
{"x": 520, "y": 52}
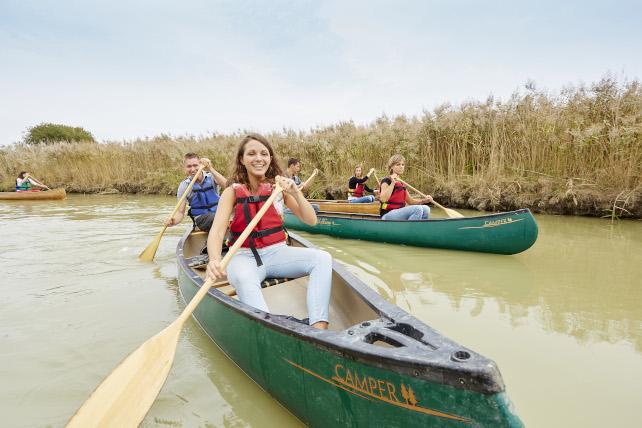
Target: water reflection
{"x": 580, "y": 279}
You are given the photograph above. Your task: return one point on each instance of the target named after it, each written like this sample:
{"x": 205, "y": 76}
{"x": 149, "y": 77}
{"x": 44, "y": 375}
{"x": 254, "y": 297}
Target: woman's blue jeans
{"x": 283, "y": 261}
{"x": 409, "y": 212}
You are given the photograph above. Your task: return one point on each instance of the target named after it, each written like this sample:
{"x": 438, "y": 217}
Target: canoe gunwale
{"x": 375, "y": 217}
{"x": 478, "y": 374}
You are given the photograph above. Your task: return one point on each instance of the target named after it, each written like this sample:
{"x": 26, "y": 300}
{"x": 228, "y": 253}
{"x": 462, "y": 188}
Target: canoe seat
{"x": 200, "y": 262}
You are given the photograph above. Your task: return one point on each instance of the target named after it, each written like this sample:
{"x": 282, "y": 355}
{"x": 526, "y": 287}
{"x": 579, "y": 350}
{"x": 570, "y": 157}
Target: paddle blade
{"x": 148, "y": 253}
{"x": 452, "y": 213}
{"x": 125, "y": 396}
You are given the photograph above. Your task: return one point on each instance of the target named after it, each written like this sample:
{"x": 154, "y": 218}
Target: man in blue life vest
{"x": 203, "y": 198}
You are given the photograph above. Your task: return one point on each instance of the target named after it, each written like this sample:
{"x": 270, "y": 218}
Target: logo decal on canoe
{"x": 326, "y": 222}
{"x": 495, "y": 223}
{"x": 369, "y": 388}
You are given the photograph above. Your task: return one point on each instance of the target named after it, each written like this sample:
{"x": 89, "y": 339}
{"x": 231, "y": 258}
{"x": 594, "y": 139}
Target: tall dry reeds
{"x": 573, "y": 152}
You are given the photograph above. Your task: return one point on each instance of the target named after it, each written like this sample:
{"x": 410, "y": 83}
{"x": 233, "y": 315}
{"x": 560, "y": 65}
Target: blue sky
{"x": 140, "y": 68}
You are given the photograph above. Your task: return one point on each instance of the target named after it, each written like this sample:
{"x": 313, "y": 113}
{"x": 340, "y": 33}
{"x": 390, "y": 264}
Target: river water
{"x": 562, "y": 320}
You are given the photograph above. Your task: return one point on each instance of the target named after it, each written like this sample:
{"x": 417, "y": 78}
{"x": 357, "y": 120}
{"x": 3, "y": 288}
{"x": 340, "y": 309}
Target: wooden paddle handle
{"x": 437, "y": 204}
{"x": 377, "y": 178}
{"x": 184, "y": 195}
{"x": 305, "y": 183}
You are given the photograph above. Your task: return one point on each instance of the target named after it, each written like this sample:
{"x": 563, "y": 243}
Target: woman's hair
{"x": 22, "y": 174}
{"x": 239, "y": 173}
{"x": 395, "y": 159}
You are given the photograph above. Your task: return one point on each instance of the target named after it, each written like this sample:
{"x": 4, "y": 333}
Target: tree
{"x": 47, "y": 133}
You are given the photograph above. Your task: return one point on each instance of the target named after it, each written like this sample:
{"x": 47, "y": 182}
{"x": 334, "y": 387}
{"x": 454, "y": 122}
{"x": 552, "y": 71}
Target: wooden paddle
{"x": 37, "y": 181}
{"x": 449, "y": 212}
{"x": 150, "y": 251}
{"x": 306, "y": 182}
{"x": 125, "y": 396}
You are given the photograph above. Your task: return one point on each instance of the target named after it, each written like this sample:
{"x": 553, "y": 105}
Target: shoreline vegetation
{"x": 578, "y": 152}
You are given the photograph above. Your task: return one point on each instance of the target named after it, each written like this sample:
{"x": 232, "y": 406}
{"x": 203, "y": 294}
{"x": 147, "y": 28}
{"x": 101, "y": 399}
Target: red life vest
{"x": 397, "y": 199}
{"x": 358, "y": 191}
{"x": 268, "y": 231}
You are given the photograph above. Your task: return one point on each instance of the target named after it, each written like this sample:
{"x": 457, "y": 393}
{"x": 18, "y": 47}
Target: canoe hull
{"x": 503, "y": 233}
{"x": 325, "y": 385}
{"x": 54, "y": 194}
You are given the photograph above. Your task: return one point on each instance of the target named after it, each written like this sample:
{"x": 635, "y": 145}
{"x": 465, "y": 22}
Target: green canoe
{"x": 376, "y": 366}
{"x": 504, "y": 233}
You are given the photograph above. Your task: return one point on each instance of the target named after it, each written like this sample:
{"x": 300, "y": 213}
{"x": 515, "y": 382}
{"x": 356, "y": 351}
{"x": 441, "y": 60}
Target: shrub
{"x": 47, "y": 133}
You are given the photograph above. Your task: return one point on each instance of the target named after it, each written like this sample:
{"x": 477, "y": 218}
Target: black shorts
{"x": 204, "y": 221}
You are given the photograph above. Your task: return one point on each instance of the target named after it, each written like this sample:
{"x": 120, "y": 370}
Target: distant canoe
{"x": 504, "y": 233}
{"x": 33, "y": 196}
{"x": 376, "y": 366}
{"x": 346, "y": 207}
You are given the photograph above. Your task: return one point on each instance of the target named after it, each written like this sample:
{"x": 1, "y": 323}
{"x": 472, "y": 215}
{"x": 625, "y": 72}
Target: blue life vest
{"x": 204, "y": 198}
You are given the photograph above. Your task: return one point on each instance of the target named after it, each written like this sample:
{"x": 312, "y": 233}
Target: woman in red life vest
{"x": 265, "y": 253}
{"x": 357, "y": 187}
{"x": 396, "y": 203}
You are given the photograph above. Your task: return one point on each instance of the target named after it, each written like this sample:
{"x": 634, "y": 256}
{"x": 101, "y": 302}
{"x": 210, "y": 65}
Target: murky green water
{"x": 563, "y": 320}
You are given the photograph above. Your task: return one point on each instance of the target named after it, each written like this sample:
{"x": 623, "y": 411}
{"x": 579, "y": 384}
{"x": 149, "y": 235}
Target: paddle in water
{"x": 125, "y": 396}
{"x": 148, "y": 253}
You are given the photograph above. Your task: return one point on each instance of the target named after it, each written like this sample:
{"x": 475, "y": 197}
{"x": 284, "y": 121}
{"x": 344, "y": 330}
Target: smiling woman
{"x": 265, "y": 253}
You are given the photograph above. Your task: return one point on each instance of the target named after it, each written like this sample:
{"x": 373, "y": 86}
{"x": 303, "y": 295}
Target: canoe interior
{"x": 289, "y": 298}
{"x": 346, "y": 206}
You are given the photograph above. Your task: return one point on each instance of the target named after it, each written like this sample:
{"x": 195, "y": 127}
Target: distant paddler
{"x": 396, "y": 203}
{"x": 203, "y": 197}
{"x": 292, "y": 172}
{"x": 26, "y": 183}
{"x": 357, "y": 186}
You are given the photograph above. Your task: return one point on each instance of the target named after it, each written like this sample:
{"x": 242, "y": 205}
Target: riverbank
{"x": 576, "y": 153}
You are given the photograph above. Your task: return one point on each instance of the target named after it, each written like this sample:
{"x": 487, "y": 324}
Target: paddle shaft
{"x": 150, "y": 251}
{"x": 37, "y": 181}
{"x": 184, "y": 195}
{"x": 378, "y": 181}
{"x": 306, "y": 182}
{"x": 451, "y": 213}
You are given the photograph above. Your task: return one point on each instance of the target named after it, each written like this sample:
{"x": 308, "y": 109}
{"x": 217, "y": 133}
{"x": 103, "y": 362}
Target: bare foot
{"x": 321, "y": 325}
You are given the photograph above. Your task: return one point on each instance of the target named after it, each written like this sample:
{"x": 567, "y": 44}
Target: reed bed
{"x": 575, "y": 152}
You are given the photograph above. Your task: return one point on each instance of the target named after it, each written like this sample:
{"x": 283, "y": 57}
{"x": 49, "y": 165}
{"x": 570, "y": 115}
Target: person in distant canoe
{"x": 25, "y": 183}
{"x": 293, "y": 170}
{"x": 357, "y": 186}
{"x": 265, "y": 253}
{"x": 203, "y": 198}
{"x": 396, "y": 203}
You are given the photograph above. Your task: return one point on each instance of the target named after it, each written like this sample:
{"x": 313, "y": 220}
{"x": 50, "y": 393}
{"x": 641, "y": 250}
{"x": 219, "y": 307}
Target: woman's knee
{"x": 323, "y": 258}
{"x": 425, "y": 211}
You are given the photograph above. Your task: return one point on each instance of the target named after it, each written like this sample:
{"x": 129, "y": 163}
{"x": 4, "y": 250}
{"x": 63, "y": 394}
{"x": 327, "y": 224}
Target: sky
{"x": 134, "y": 69}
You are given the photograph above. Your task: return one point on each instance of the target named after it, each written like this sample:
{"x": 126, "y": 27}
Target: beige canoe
{"x": 33, "y": 196}
{"x": 346, "y": 207}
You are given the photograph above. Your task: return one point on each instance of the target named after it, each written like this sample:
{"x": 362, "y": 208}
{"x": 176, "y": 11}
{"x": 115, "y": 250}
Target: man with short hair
{"x": 294, "y": 167}
{"x": 203, "y": 198}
